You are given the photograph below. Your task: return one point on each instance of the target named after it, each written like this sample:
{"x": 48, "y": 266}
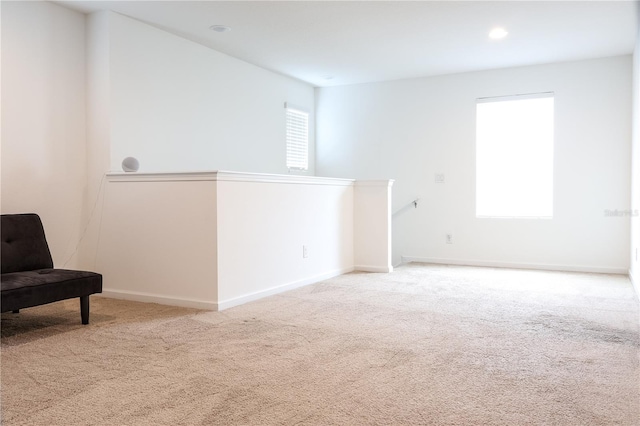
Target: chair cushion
{"x": 24, "y": 246}
{"x": 33, "y": 288}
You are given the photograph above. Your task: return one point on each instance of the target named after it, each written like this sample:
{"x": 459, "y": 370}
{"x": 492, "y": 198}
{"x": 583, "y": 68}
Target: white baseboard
{"x": 635, "y": 284}
{"x": 399, "y": 264}
{"x": 220, "y": 305}
{"x": 546, "y": 267}
{"x": 369, "y": 268}
{"x": 240, "y": 300}
{"x": 154, "y": 298}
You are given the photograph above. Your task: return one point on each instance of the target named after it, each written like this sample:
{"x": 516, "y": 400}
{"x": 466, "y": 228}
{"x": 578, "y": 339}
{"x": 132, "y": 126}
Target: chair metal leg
{"x": 84, "y": 309}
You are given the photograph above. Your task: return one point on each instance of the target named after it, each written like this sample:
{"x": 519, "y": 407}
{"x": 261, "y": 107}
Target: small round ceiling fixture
{"x": 328, "y": 77}
{"x": 220, "y": 28}
{"x": 498, "y": 33}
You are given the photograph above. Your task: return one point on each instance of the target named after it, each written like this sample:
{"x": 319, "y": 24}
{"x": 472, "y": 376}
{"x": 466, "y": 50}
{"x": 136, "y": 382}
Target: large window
{"x": 297, "y": 138}
{"x": 514, "y": 156}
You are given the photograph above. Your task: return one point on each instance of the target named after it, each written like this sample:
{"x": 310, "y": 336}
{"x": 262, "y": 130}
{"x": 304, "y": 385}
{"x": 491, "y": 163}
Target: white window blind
{"x": 514, "y": 156}
{"x": 297, "y": 138}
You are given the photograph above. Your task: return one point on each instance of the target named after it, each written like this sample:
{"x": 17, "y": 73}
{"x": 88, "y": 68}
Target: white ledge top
{"x": 219, "y": 175}
{"x": 375, "y": 182}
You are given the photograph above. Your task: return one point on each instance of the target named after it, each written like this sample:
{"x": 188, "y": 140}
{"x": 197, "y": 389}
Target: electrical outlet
{"x": 449, "y": 238}
{"x": 439, "y": 178}
{"x": 305, "y": 252}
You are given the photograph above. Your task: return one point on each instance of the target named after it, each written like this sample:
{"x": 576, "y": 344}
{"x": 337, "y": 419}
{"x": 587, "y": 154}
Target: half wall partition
{"x": 218, "y": 239}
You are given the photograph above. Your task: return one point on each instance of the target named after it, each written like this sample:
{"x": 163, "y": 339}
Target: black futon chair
{"x": 28, "y": 276}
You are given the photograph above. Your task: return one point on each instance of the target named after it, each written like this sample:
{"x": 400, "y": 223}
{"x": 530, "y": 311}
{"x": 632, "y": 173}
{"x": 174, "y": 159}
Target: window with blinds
{"x": 297, "y": 138}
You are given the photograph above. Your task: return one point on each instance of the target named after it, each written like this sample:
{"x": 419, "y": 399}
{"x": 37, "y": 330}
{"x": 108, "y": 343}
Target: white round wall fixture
{"x": 130, "y": 164}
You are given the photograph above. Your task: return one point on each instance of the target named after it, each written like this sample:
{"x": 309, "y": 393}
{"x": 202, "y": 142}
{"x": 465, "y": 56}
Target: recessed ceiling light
{"x": 498, "y": 33}
{"x": 328, "y": 77}
{"x": 220, "y": 28}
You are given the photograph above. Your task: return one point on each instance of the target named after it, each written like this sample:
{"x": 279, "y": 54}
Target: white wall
{"x": 264, "y": 224}
{"x": 372, "y": 225}
{"x": 409, "y": 130}
{"x": 218, "y": 239}
{"x": 158, "y": 242}
{"x": 178, "y": 106}
{"x": 98, "y": 88}
{"x": 635, "y": 180}
{"x": 43, "y": 120}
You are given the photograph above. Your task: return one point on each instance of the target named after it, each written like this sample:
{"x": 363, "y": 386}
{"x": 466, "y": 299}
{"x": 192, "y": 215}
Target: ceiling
{"x": 328, "y": 43}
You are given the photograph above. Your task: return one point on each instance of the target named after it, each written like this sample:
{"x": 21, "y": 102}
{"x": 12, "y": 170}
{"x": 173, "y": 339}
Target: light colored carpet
{"x": 426, "y": 344}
